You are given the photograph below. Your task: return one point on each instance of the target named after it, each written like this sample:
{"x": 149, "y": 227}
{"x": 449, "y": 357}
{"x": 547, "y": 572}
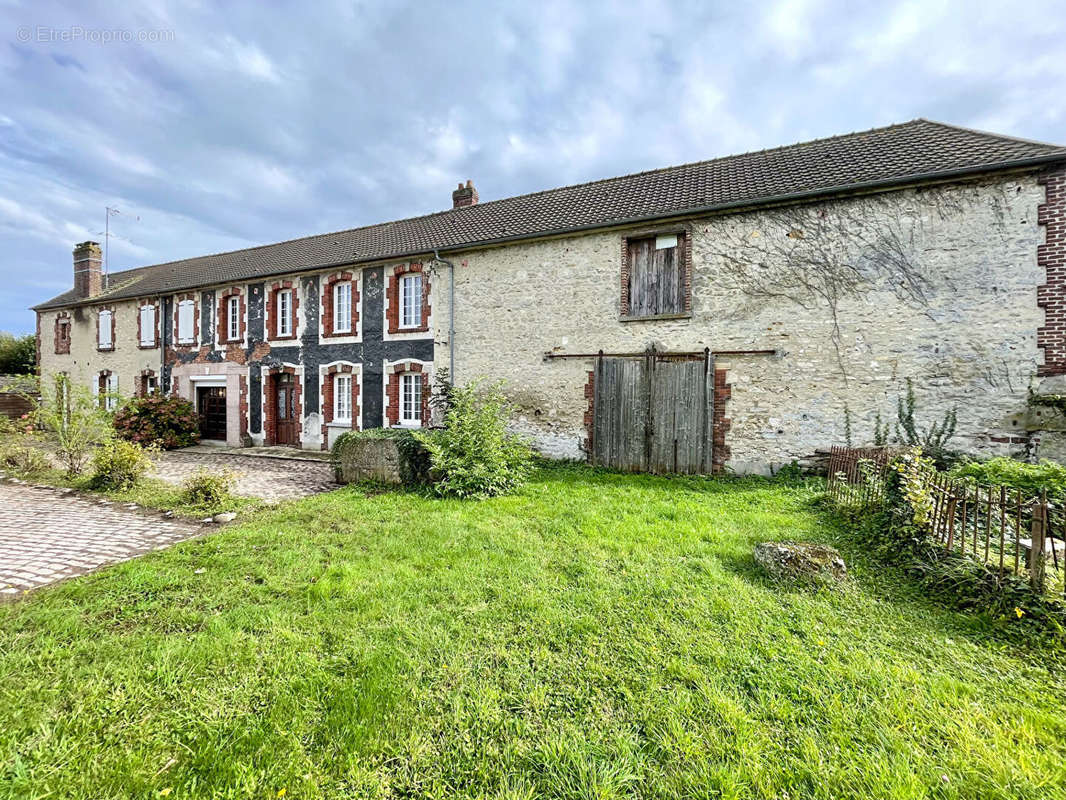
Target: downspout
{"x": 451, "y": 314}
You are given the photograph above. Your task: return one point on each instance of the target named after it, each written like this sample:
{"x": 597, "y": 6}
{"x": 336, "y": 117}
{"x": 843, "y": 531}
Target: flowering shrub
{"x": 166, "y": 421}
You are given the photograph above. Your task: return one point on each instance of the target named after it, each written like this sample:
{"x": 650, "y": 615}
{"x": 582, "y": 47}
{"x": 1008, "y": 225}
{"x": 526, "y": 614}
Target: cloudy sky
{"x": 215, "y": 126}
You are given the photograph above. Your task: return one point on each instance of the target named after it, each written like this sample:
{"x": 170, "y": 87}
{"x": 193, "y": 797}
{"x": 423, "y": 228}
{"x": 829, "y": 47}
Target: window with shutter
{"x": 186, "y": 309}
{"x": 104, "y": 330}
{"x": 147, "y": 326}
{"x": 656, "y": 281}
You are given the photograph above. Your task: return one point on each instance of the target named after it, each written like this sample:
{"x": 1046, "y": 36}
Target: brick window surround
{"x": 270, "y": 421}
{"x": 328, "y": 304}
{"x": 392, "y": 391}
{"x": 1051, "y": 296}
{"x": 141, "y": 304}
{"x": 272, "y": 311}
{"x": 222, "y": 316}
{"x": 62, "y": 333}
{"x": 393, "y": 293}
{"x": 684, "y": 243}
{"x": 195, "y": 321}
{"x": 99, "y": 311}
{"x": 720, "y": 424}
{"x": 328, "y": 385}
{"x": 142, "y": 382}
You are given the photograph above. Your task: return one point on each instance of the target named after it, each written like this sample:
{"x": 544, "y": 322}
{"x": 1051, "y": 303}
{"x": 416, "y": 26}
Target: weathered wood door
{"x": 285, "y": 409}
{"x": 653, "y": 414}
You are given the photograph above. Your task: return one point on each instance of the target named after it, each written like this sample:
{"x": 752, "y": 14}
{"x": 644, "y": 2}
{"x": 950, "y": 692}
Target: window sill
{"x": 339, "y": 423}
{"x": 655, "y": 317}
{"x": 143, "y": 346}
{"x": 105, "y": 349}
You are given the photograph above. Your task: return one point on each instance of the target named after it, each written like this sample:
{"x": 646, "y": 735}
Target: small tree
{"x": 72, "y": 420}
{"x": 473, "y": 455}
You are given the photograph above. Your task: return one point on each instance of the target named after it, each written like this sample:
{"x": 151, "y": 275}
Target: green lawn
{"x": 594, "y": 636}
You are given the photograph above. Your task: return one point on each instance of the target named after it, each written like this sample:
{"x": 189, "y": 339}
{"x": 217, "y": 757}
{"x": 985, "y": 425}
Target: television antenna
{"x": 110, "y": 212}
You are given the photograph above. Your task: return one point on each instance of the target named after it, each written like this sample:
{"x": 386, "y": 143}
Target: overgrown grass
{"x": 594, "y": 635}
{"x": 149, "y": 493}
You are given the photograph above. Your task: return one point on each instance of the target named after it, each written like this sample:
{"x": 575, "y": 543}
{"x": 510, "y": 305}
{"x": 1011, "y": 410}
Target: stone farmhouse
{"x": 806, "y": 284}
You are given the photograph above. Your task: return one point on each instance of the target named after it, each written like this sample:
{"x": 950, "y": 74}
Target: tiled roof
{"x": 916, "y": 150}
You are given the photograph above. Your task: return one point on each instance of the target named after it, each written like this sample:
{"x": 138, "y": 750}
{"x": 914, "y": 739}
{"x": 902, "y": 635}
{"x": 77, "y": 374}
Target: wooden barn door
{"x": 653, "y": 414}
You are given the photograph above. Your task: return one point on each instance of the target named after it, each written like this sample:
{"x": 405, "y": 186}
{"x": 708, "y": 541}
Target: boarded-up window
{"x": 656, "y": 275}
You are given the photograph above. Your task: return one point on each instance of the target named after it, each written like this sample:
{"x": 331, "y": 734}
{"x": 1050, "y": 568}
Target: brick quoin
{"x": 720, "y": 424}
{"x": 272, "y": 311}
{"x": 1051, "y": 296}
{"x": 327, "y": 304}
{"x": 393, "y": 293}
{"x": 222, "y": 315}
{"x": 392, "y": 389}
{"x": 590, "y": 411}
{"x": 327, "y": 399}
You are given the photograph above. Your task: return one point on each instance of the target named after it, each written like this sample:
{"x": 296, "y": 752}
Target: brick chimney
{"x": 88, "y": 280}
{"x": 464, "y": 195}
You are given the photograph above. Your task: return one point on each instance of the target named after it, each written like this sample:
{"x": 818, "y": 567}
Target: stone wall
{"x": 969, "y": 341}
{"x": 128, "y": 360}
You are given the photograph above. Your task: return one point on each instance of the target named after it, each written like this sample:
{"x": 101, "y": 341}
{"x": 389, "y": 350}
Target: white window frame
{"x": 342, "y": 397}
{"x": 233, "y": 318}
{"x": 188, "y": 306}
{"x": 284, "y": 324}
{"x": 415, "y": 308}
{"x": 148, "y": 325}
{"x": 103, "y": 332}
{"x": 413, "y": 420}
{"x": 342, "y": 289}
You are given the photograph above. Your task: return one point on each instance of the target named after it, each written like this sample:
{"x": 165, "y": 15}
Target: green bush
{"x": 473, "y": 455}
{"x": 119, "y": 465}
{"x": 1031, "y": 478}
{"x": 414, "y": 458}
{"x": 166, "y": 421}
{"x": 22, "y": 459}
{"x": 204, "y": 488}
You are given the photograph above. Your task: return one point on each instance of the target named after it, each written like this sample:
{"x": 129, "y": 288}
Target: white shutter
{"x": 185, "y": 326}
{"x": 104, "y": 328}
{"x": 147, "y": 325}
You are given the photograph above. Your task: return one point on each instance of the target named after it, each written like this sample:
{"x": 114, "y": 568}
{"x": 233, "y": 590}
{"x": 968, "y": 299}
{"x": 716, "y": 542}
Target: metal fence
{"x": 1014, "y": 532}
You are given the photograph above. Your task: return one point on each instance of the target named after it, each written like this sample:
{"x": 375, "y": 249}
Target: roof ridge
{"x": 991, "y": 134}
{"x": 657, "y": 170}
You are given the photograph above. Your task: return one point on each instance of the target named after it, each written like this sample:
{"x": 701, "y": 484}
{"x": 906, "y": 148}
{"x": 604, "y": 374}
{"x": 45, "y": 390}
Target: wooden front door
{"x": 211, "y": 400}
{"x": 285, "y": 409}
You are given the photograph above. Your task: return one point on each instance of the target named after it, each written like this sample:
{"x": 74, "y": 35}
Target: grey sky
{"x": 241, "y": 123}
